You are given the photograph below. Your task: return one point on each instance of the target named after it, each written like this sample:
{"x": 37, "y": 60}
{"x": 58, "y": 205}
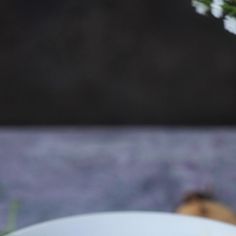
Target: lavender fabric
{"x": 66, "y": 171}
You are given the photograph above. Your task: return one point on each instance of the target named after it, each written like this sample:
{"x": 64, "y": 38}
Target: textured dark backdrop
{"x": 109, "y": 62}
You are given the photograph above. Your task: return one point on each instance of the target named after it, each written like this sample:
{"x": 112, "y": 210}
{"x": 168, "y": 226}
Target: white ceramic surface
{"x": 129, "y": 224}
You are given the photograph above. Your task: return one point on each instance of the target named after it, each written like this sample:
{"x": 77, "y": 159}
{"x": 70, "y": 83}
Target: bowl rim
{"x": 197, "y": 219}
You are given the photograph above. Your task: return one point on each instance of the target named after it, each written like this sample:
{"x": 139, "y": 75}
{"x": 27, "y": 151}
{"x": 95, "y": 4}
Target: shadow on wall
{"x": 114, "y": 62}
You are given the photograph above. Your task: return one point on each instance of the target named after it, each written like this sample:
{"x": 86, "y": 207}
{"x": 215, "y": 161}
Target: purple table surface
{"x": 66, "y": 171}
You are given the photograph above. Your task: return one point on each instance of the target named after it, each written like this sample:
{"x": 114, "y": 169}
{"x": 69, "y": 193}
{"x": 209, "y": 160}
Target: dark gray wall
{"x": 114, "y": 62}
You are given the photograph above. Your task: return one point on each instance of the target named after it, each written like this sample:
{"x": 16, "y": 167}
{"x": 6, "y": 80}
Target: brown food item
{"x": 198, "y": 204}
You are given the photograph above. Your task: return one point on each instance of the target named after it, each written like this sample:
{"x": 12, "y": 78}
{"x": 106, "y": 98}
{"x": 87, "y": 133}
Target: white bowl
{"x": 129, "y": 224}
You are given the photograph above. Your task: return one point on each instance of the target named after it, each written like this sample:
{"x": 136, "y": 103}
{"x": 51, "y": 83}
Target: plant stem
{"x": 11, "y": 222}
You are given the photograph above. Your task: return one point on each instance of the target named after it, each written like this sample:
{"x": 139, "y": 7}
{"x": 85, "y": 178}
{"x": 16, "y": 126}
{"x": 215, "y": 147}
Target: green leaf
{"x": 230, "y": 8}
{"x": 206, "y": 2}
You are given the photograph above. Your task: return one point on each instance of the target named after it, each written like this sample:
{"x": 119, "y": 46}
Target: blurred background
{"x": 114, "y": 62}
{"x": 113, "y": 105}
